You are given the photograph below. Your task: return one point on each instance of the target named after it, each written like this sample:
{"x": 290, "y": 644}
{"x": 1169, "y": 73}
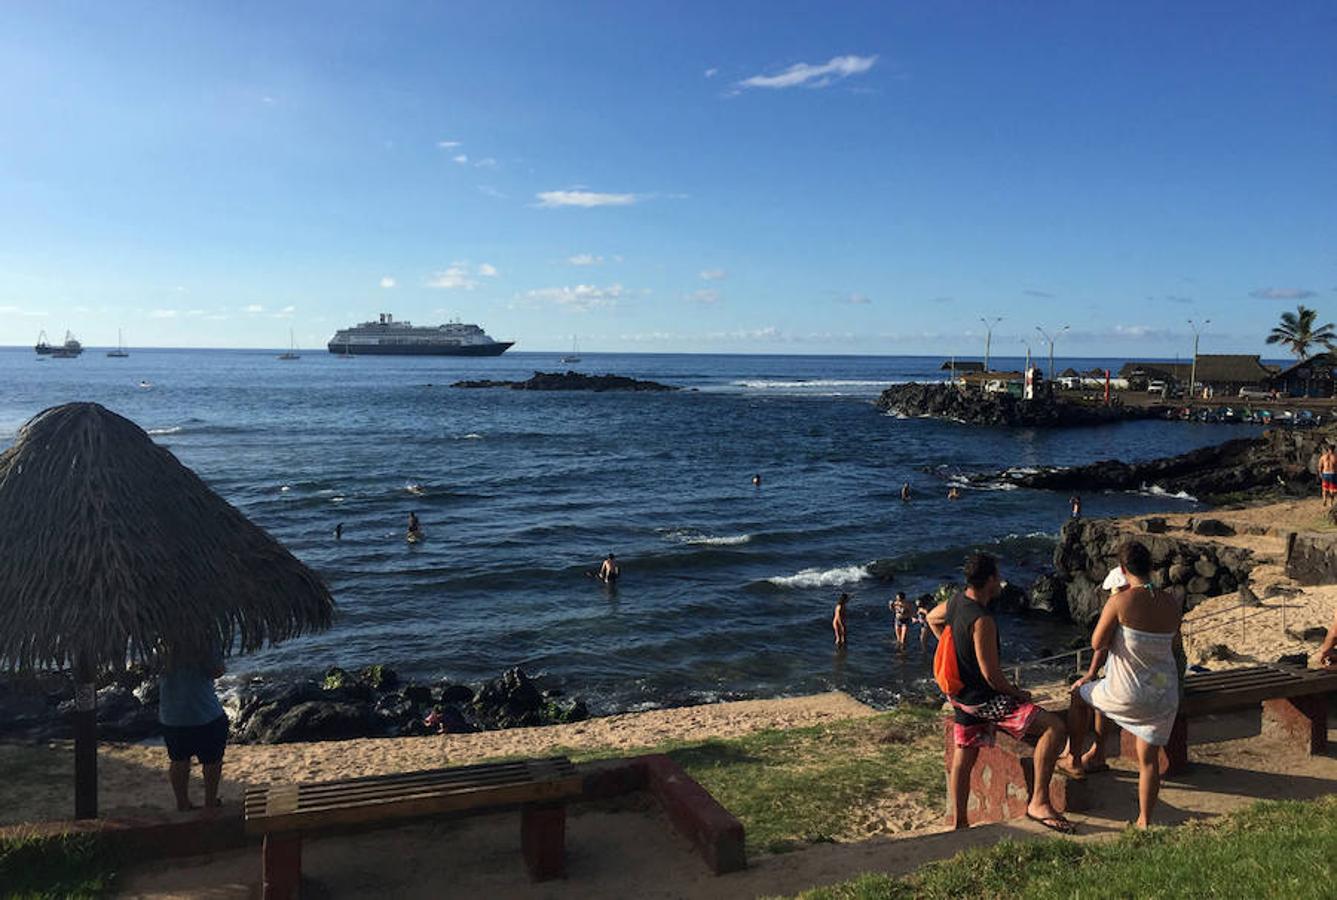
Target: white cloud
{"x": 704, "y": 297}
{"x": 162, "y": 314}
{"x": 552, "y": 199}
{"x": 387, "y": 282}
{"x": 711, "y": 73}
{"x": 580, "y": 298}
{"x": 855, "y": 299}
{"x": 448, "y": 145}
{"x": 813, "y": 76}
{"x": 585, "y": 259}
{"x": 486, "y": 162}
{"x": 253, "y": 308}
{"x": 1283, "y": 293}
{"x": 285, "y": 313}
{"x": 462, "y": 159}
{"x": 458, "y": 276}
{"x": 20, "y": 311}
{"x": 713, "y": 274}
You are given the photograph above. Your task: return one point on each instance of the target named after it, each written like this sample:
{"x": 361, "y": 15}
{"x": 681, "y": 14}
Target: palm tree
{"x": 1298, "y": 332}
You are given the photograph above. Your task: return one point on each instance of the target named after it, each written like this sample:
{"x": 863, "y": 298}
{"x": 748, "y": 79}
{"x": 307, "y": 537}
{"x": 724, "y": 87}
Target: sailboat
{"x": 119, "y": 352}
{"x": 574, "y": 356}
{"x": 292, "y": 348}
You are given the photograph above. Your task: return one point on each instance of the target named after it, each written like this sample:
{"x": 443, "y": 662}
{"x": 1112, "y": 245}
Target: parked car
{"x": 1248, "y": 393}
{"x": 1155, "y": 387}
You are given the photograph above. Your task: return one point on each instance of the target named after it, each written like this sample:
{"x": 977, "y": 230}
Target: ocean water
{"x": 727, "y": 589}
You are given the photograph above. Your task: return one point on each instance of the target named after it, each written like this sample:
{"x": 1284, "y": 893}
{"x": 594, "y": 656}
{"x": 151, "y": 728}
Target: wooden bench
{"x": 284, "y": 813}
{"x": 1294, "y": 700}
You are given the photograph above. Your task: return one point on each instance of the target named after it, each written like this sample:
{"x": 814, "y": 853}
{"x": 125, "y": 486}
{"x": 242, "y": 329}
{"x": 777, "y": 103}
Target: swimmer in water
{"x": 756, "y": 480}
{"x": 900, "y": 608}
{"x": 610, "y": 571}
{"x": 339, "y": 532}
{"x": 838, "y": 619}
{"x": 954, "y": 493}
{"x": 905, "y": 492}
{"x": 415, "y": 527}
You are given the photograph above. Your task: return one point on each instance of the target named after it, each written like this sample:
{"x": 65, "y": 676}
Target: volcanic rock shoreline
{"x": 371, "y": 702}
{"x": 944, "y": 401}
{"x": 1280, "y": 463}
{"x": 571, "y": 381}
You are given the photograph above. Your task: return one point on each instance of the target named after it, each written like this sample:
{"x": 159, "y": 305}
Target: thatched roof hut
{"x": 114, "y": 551}
{"x": 113, "y": 548}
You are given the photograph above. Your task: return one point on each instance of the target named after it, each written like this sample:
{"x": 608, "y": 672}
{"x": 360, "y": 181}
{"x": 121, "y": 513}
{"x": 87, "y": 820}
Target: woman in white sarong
{"x": 1137, "y": 641}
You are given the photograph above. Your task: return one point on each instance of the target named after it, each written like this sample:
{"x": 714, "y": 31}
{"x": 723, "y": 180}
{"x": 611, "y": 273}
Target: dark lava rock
{"x": 1219, "y": 652}
{"x": 509, "y": 701}
{"x": 1154, "y": 525}
{"x": 1212, "y": 528}
{"x": 319, "y": 721}
{"x": 1049, "y": 595}
{"x": 1300, "y": 660}
{"x": 1312, "y": 558}
{"x": 456, "y": 693}
{"x": 571, "y": 381}
{"x": 378, "y": 677}
{"x": 945, "y": 401}
{"x": 451, "y": 721}
{"x": 1279, "y": 463}
{"x": 1010, "y": 599}
{"x": 418, "y": 693}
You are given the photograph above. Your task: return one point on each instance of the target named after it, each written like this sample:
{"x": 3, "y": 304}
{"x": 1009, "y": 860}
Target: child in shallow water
{"x": 900, "y": 608}
{"x": 838, "y": 620}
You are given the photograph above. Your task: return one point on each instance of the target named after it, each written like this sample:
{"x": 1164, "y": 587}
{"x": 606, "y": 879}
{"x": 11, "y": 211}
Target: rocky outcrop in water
{"x": 944, "y": 401}
{"x": 571, "y": 381}
{"x": 1280, "y": 463}
{"x": 371, "y": 702}
{"x": 1194, "y": 570}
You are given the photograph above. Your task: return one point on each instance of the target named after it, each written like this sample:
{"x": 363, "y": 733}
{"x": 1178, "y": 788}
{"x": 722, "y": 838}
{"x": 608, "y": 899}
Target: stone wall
{"x": 1088, "y": 549}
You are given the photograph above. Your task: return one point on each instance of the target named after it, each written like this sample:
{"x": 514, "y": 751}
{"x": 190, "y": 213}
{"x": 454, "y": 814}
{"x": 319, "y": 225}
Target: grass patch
{"x": 1271, "y": 849}
{"x": 821, "y": 783}
{"x": 61, "y": 865}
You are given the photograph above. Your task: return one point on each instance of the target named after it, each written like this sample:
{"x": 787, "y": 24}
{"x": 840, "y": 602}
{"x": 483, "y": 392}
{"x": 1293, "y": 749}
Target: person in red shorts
{"x": 987, "y": 701}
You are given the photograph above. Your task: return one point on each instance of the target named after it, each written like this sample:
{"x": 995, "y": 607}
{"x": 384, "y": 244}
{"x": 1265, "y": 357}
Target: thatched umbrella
{"x": 113, "y": 550}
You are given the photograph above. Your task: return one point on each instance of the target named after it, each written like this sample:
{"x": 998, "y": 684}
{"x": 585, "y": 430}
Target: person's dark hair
{"x": 979, "y": 568}
{"x": 900, "y": 595}
{"x": 925, "y": 600}
{"x": 843, "y": 598}
{"x": 1136, "y": 559}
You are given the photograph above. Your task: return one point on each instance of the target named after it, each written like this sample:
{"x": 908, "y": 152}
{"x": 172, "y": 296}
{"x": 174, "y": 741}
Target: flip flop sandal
{"x": 1054, "y": 823}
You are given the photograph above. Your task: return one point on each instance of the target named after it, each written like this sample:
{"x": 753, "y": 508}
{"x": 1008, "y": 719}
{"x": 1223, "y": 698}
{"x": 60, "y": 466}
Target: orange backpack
{"x": 945, "y": 669}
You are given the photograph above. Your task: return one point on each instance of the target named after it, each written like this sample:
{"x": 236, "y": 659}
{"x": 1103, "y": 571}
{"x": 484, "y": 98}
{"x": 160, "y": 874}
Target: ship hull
{"x": 493, "y": 349}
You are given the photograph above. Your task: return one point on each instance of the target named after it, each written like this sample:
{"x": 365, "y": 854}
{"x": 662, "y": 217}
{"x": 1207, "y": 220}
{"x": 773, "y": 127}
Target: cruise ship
{"x": 388, "y": 336}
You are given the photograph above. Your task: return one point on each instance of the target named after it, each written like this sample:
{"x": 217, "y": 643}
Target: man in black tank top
{"x": 987, "y": 701}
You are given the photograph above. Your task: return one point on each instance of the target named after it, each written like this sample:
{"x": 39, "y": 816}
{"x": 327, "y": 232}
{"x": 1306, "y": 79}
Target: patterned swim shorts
{"x": 1004, "y": 712}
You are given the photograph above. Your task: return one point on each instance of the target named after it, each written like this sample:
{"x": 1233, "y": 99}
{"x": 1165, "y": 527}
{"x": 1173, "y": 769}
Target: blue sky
{"x": 736, "y": 177}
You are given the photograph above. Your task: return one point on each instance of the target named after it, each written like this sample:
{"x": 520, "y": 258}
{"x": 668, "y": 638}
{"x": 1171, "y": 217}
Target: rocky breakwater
{"x": 1280, "y": 463}
{"x": 972, "y": 407}
{"x": 371, "y": 702}
{"x": 571, "y": 381}
{"x": 1192, "y": 569}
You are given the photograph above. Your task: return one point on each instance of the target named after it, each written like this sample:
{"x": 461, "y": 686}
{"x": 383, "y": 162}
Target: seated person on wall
{"x": 1136, "y": 640}
{"x": 987, "y": 701}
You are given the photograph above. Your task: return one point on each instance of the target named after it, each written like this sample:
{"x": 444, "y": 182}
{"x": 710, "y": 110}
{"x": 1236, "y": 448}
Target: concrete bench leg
{"x": 1173, "y": 756}
{"x": 543, "y": 840}
{"x": 281, "y": 864}
{"x": 1304, "y": 719}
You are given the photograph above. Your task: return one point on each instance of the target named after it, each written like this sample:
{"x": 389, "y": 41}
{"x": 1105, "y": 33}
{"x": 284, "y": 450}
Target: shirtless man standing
{"x": 1327, "y": 474}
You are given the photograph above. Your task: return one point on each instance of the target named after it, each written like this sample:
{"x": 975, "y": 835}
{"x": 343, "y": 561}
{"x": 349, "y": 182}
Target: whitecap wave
{"x": 708, "y": 540}
{"x": 472, "y": 436}
{"x": 811, "y": 578}
{"x": 174, "y": 429}
{"x": 804, "y": 384}
{"x": 1156, "y": 490}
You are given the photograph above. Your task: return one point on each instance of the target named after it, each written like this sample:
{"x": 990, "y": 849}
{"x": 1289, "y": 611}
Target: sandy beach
{"x": 133, "y": 776}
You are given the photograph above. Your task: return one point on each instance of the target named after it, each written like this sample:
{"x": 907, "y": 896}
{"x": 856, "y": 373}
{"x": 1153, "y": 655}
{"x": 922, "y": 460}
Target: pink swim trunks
{"x": 1011, "y": 715}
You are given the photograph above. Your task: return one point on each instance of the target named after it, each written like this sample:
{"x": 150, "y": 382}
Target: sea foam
{"x": 811, "y": 578}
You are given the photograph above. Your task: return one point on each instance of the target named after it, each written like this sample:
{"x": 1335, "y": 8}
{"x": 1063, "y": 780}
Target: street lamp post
{"x": 988, "y": 337}
{"x": 1049, "y": 339}
{"x": 1198, "y": 328}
